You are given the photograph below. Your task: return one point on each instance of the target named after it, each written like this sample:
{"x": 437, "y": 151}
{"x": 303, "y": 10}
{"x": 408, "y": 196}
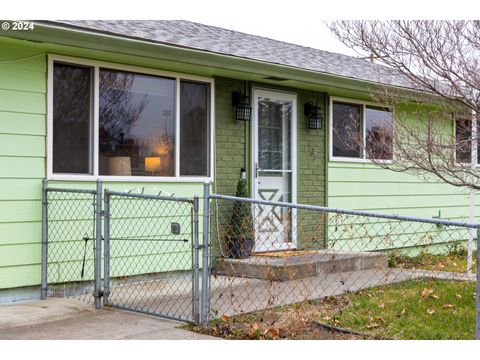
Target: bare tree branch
{"x": 440, "y": 61}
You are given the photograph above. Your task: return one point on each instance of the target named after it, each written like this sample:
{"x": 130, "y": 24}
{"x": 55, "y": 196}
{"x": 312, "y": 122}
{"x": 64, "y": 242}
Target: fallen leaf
{"x": 382, "y": 305}
{"x": 404, "y": 310}
{"x": 255, "y": 326}
{"x": 430, "y": 311}
{"x": 447, "y": 306}
{"x": 225, "y": 318}
{"x": 373, "y": 325}
{"x": 272, "y": 333}
{"x": 441, "y": 265}
{"x": 434, "y": 296}
{"x": 458, "y": 296}
{"x": 426, "y": 293}
{"x": 326, "y": 318}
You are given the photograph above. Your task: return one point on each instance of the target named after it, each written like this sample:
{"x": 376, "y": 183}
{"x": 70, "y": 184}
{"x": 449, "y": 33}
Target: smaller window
{"x": 72, "y": 119}
{"x": 356, "y": 127}
{"x": 463, "y": 140}
{"x": 378, "y": 133}
{"x": 194, "y": 129}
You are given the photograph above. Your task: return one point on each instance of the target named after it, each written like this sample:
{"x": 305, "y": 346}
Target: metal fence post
{"x": 98, "y": 245}
{"x": 44, "y": 287}
{"x": 477, "y": 293}
{"x": 106, "y": 248}
{"x": 196, "y": 282}
{"x": 206, "y": 256}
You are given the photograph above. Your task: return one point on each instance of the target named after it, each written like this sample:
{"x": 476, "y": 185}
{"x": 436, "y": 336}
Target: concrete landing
{"x": 57, "y": 318}
{"x": 305, "y": 265}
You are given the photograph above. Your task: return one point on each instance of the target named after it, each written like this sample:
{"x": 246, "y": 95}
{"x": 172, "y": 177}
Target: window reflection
{"x": 194, "y": 129}
{"x": 72, "y": 114}
{"x": 379, "y": 133}
{"x": 347, "y": 130}
{"x": 137, "y": 124}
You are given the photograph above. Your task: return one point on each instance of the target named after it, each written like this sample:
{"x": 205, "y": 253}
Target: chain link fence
{"x": 69, "y": 230}
{"x": 283, "y": 269}
{"x": 274, "y": 269}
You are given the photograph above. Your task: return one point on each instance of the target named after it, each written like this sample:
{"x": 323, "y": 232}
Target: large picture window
{"x": 123, "y": 123}
{"x": 360, "y": 132}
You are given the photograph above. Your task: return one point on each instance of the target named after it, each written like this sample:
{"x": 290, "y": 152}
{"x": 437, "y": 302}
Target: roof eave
{"x": 55, "y": 33}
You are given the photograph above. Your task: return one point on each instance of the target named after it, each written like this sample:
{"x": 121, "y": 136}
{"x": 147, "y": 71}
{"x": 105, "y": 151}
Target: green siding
{"x": 365, "y": 186}
{"x": 23, "y": 162}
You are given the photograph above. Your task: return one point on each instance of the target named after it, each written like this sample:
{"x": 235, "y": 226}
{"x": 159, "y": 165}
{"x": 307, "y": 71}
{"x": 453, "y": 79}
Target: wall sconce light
{"x": 314, "y": 115}
{"x": 241, "y": 103}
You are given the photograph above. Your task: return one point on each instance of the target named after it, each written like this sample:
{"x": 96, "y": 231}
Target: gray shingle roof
{"x": 217, "y": 40}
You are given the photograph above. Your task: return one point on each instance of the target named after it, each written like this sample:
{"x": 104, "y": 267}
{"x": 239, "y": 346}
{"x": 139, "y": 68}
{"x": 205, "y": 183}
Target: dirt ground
{"x": 294, "y": 322}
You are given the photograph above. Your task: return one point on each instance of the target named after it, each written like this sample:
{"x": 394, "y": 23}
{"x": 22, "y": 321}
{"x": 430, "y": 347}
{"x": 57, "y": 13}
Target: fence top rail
{"x": 148, "y": 196}
{"x": 349, "y": 212}
{"x": 75, "y": 191}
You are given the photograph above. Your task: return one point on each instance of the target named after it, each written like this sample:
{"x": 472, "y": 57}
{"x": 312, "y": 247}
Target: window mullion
{"x": 177, "y": 127}
{"x": 96, "y": 120}
{"x": 364, "y": 137}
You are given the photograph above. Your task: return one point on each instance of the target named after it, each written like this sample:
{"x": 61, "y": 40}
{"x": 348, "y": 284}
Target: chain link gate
{"x": 151, "y": 255}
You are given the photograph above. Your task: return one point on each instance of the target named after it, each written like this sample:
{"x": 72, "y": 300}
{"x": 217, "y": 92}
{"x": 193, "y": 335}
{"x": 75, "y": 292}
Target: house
{"x": 148, "y": 104}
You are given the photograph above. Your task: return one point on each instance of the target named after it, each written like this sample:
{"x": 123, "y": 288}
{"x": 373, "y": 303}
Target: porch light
{"x": 241, "y": 103}
{"x": 314, "y": 115}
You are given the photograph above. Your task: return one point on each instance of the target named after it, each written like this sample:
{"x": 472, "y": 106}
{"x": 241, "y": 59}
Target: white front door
{"x": 274, "y": 159}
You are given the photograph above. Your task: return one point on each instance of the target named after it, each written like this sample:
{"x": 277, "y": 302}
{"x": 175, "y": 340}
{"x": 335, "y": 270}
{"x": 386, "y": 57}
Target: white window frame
{"x": 364, "y": 104}
{"x": 96, "y": 65}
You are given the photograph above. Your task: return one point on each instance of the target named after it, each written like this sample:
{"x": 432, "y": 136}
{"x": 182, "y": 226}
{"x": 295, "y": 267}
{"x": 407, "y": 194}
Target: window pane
{"x": 347, "y": 134}
{"x": 194, "y": 129}
{"x": 379, "y": 133}
{"x": 463, "y": 140}
{"x": 274, "y": 118}
{"x": 72, "y": 110}
{"x": 137, "y": 124}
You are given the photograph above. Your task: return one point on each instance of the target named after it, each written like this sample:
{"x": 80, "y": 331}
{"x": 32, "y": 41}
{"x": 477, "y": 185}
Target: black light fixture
{"x": 241, "y": 103}
{"x": 314, "y": 114}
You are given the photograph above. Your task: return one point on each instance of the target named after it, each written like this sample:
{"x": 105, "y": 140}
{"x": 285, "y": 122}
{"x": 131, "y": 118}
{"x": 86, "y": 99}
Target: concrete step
{"x": 292, "y": 267}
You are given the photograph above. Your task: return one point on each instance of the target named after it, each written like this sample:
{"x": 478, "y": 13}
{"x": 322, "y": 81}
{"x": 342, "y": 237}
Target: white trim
{"x": 212, "y": 157}
{"x": 49, "y": 134}
{"x": 132, "y": 179}
{"x": 96, "y": 65}
{"x": 286, "y": 96}
{"x": 364, "y": 104}
{"x": 96, "y": 120}
{"x": 177, "y": 128}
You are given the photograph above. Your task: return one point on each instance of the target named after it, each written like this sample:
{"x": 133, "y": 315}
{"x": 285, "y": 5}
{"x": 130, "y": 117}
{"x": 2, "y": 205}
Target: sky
{"x": 296, "y": 21}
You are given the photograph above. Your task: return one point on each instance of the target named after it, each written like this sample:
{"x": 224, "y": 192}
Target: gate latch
{"x": 175, "y": 228}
